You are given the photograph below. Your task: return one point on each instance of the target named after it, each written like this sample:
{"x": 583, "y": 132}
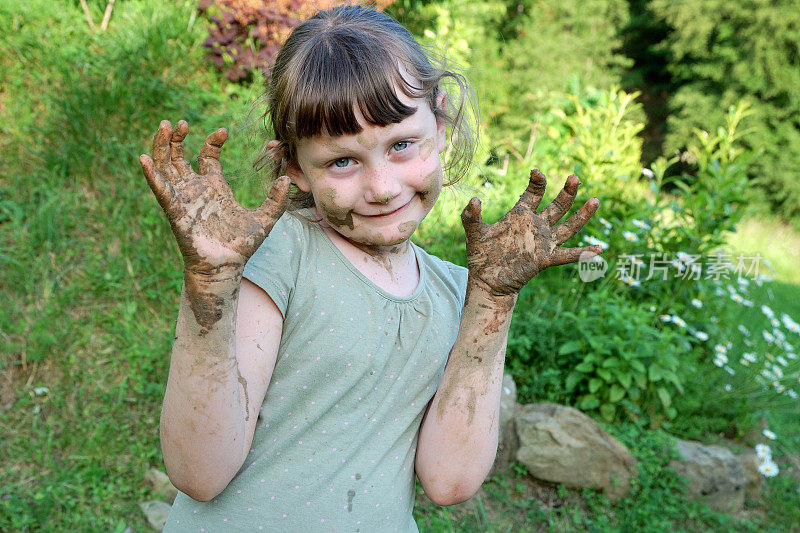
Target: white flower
{"x": 743, "y": 329}
{"x": 605, "y": 223}
{"x": 647, "y": 172}
{"x": 768, "y": 469}
{"x": 720, "y": 349}
{"x": 767, "y": 311}
{"x": 782, "y": 361}
{"x": 640, "y": 224}
{"x": 778, "y": 387}
{"x": 736, "y": 298}
{"x": 792, "y": 394}
{"x": 728, "y": 387}
{"x": 763, "y": 452}
{"x": 697, "y": 303}
{"x": 683, "y": 256}
{"x": 630, "y": 237}
{"x": 790, "y": 324}
{"x": 729, "y": 370}
{"x": 747, "y": 303}
{"x": 777, "y": 372}
{"x": 768, "y": 336}
{"x": 702, "y": 335}
{"x": 595, "y": 241}
{"x": 791, "y": 355}
{"x": 680, "y": 267}
{"x": 720, "y": 359}
{"x": 742, "y": 281}
{"x": 652, "y": 308}
{"x": 775, "y": 322}
{"x": 665, "y": 318}
{"x": 629, "y": 281}
{"x": 678, "y": 321}
{"x": 749, "y": 356}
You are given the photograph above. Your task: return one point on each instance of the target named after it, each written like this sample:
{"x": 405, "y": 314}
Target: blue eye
{"x": 404, "y": 143}
{"x": 343, "y": 159}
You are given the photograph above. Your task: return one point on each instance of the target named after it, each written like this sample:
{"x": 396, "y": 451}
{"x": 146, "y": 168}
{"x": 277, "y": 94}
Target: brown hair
{"x": 353, "y": 54}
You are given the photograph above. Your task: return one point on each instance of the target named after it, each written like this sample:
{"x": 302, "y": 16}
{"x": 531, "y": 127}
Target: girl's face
{"x": 375, "y": 188}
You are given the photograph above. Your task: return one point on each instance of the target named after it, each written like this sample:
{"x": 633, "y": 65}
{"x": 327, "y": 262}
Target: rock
{"x": 562, "y": 445}
{"x": 156, "y": 513}
{"x": 507, "y": 443}
{"x": 750, "y": 461}
{"x": 716, "y": 476}
{"x": 159, "y": 482}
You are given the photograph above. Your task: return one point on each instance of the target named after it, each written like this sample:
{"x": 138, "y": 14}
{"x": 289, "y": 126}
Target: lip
{"x": 390, "y": 213}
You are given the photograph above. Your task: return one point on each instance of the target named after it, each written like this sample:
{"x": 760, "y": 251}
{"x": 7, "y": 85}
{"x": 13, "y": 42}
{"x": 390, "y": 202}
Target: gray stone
{"x": 507, "y": 443}
{"x": 156, "y": 513}
{"x": 716, "y": 476}
{"x": 159, "y": 482}
{"x": 562, "y": 445}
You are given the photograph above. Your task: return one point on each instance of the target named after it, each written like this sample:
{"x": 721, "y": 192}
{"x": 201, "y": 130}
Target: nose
{"x": 382, "y": 186}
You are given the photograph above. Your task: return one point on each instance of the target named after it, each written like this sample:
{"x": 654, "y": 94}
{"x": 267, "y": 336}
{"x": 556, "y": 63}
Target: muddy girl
{"x": 321, "y": 358}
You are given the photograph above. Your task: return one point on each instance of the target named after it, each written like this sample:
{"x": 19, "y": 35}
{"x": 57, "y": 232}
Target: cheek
{"x": 431, "y": 187}
{"x": 335, "y": 214}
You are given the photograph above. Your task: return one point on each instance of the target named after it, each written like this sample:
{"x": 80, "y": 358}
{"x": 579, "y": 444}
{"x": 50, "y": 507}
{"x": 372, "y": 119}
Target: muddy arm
{"x": 228, "y": 330}
{"x": 458, "y": 437}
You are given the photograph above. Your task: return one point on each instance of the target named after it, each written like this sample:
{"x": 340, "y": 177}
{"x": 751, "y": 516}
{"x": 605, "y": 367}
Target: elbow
{"x": 450, "y": 493}
{"x": 194, "y": 488}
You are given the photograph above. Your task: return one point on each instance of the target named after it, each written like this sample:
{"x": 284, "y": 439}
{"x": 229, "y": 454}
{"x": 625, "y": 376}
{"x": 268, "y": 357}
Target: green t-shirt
{"x": 337, "y": 432}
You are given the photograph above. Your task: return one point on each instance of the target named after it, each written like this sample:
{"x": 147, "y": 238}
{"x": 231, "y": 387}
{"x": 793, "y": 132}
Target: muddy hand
{"x": 507, "y": 254}
{"x": 212, "y": 229}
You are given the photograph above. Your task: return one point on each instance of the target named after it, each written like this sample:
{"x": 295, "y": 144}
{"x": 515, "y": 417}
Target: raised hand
{"x": 507, "y": 254}
{"x": 214, "y": 232}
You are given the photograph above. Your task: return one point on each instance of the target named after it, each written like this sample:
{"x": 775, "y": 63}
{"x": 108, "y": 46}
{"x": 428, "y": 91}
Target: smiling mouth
{"x": 384, "y": 215}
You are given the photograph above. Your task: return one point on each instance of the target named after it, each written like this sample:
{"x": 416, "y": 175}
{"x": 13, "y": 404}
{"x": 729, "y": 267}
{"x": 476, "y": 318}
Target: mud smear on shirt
{"x": 381, "y": 256}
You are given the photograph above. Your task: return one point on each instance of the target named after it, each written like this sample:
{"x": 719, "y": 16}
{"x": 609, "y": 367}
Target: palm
{"x": 507, "y": 254}
{"x": 212, "y": 229}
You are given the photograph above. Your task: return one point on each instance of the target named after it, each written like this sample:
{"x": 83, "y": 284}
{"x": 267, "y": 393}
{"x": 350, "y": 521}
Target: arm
{"x": 217, "y": 382}
{"x": 458, "y": 436}
{"x": 221, "y": 361}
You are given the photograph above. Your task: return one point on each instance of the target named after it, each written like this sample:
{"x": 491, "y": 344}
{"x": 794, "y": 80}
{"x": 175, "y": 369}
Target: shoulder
{"x": 453, "y": 276}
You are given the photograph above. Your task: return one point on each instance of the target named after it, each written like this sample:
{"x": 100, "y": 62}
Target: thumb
{"x": 471, "y": 220}
{"x": 273, "y": 207}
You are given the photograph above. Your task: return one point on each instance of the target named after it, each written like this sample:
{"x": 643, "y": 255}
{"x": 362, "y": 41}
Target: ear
{"x": 441, "y": 127}
{"x": 290, "y": 168}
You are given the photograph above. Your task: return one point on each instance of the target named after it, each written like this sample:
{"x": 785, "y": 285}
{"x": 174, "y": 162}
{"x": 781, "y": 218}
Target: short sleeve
{"x": 459, "y": 274}
{"x": 274, "y": 266}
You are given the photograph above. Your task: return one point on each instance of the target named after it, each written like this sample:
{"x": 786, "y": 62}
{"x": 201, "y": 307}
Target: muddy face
{"x": 336, "y": 215}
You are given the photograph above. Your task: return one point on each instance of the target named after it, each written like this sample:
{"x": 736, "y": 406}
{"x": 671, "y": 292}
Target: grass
{"x": 91, "y": 280}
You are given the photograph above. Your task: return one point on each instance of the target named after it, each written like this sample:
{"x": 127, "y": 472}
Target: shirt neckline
{"x": 423, "y": 275}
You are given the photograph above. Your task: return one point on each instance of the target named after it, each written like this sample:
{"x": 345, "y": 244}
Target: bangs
{"x": 337, "y": 73}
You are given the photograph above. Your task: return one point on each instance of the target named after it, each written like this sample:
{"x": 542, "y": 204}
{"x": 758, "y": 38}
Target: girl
{"x": 316, "y": 370}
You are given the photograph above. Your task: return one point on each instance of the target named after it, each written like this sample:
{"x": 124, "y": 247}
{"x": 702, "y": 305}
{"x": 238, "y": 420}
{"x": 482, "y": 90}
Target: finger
{"x": 161, "y": 149}
{"x": 573, "y": 224}
{"x": 176, "y": 145}
{"x": 209, "y": 153}
{"x": 472, "y": 221}
{"x": 533, "y": 194}
{"x": 565, "y": 256}
{"x": 275, "y": 204}
{"x": 161, "y": 188}
{"x": 558, "y": 208}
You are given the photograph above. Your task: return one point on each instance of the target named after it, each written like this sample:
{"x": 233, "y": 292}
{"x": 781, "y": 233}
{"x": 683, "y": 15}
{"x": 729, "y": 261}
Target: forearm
{"x": 458, "y": 437}
{"x": 203, "y": 415}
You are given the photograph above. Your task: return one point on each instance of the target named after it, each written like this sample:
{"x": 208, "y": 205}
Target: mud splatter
{"x": 350, "y": 495}
{"x": 411, "y": 225}
{"x": 426, "y": 148}
{"x": 243, "y": 382}
{"x": 335, "y": 215}
{"x": 368, "y": 142}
